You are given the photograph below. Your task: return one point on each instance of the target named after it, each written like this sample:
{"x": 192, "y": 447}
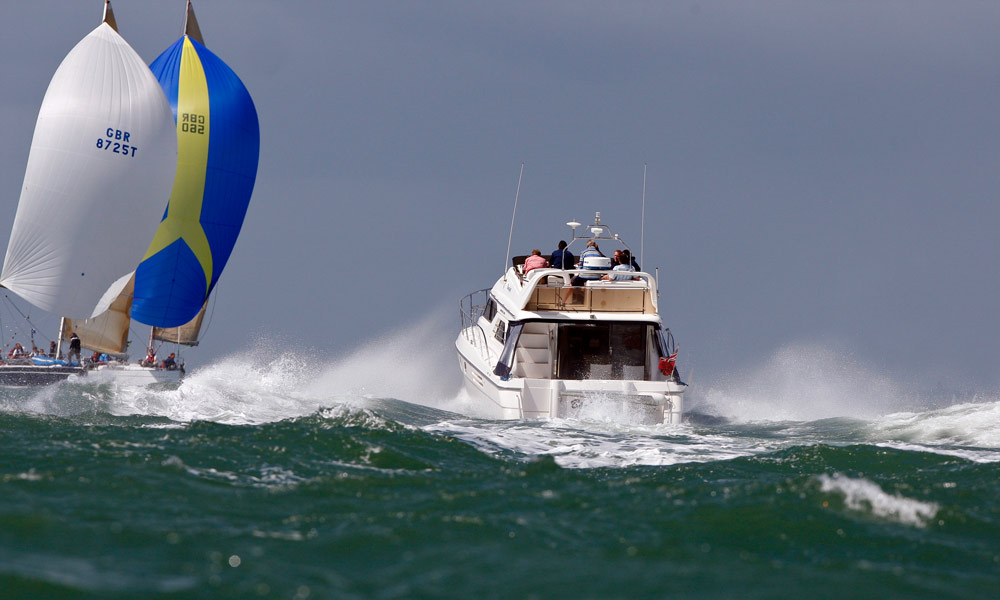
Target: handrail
{"x": 469, "y": 320}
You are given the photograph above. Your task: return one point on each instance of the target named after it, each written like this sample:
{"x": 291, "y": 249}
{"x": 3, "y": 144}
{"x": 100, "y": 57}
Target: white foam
{"x": 798, "y": 385}
{"x": 967, "y": 424}
{"x": 968, "y": 430}
{"x": 239, "y": 389}
{"x": 587, "y": 444}
{"x": 269, "y": 383}
{"x": 862, "y": 495}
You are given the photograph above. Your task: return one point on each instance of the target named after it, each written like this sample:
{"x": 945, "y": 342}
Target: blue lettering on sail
{"x": 114, "y": 140}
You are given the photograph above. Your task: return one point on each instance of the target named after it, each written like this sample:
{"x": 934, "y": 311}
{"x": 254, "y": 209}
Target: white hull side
{"x": 133, "y": 375}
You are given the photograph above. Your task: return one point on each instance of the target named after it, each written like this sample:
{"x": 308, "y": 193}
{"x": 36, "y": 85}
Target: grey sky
{"x": 819, "y": 172}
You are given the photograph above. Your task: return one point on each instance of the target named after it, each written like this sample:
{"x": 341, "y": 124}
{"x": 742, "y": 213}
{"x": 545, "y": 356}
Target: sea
{"x": 268, "y": 474}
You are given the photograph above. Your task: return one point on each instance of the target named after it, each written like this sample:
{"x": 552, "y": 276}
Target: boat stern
{"x": 627, "y": 402}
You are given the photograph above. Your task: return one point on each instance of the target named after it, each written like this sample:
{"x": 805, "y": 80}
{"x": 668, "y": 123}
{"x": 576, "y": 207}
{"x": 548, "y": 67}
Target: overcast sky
{"x": 820, "y": 174}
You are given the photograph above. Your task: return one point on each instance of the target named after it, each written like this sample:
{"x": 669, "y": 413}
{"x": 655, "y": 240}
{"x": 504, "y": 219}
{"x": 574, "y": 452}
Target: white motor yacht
{"x": 538, "y": 346}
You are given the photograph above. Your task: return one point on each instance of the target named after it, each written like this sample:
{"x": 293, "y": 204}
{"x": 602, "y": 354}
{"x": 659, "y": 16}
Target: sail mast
{"x": 191, "y": 28}
{"x": 109, "y": 15}
{"x": 62, "y": 323}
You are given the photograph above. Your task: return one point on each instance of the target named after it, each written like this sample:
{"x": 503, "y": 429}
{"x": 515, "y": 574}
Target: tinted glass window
{"x": 603, "y": 351}
{"x": 500, "y": 331}
{"x": 491, "y": 310}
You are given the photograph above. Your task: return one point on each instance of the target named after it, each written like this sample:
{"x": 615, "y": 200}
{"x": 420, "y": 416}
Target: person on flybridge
{"x": 629, "y": 259}
{"x": 623, "y": 263}
{"x": 590, "y": 260}
{"x": 562, "y": 258}
{"x": 535, "y": 261}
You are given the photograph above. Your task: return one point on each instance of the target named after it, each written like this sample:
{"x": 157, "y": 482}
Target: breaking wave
{"x": 863, "y": 496}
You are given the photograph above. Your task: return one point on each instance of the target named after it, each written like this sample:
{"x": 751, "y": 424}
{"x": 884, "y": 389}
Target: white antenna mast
{"x": 642, "y": 226}
{"x": 511, "y": 236}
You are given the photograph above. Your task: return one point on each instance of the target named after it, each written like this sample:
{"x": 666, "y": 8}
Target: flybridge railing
{"x": 470, "y": 308}
{"x": 551, "y": 291}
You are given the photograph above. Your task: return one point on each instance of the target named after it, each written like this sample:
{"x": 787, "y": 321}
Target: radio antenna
{"x": 642, "y": 226}
{"x": 511, "y": 236}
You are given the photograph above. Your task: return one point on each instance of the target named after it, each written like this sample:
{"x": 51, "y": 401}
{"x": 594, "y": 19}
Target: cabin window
{"x": 490, "y": 310}
{"x": 500, "y": 331}
{"x": 603, "y": 351}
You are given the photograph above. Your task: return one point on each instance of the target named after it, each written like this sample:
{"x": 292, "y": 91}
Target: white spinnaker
{"x": 89, "y": 208}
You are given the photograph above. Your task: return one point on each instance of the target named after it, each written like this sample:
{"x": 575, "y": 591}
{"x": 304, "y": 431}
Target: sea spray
{"x": 417, "y": 364}
{"x": 273, "y": 381}
{"x": 803, "y": 382}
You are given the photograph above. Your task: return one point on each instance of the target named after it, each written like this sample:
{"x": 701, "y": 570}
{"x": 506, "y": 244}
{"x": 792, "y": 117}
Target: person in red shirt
{"x": 535, "y": 261}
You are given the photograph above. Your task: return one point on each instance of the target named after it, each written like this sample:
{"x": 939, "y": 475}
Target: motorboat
{"x": 571, "y": 343}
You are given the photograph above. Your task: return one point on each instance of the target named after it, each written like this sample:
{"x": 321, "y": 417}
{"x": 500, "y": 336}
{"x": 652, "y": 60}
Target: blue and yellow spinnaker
{"x": 218, "y": 148}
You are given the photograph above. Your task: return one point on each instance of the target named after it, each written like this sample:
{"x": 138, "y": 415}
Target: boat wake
{"x": 793, "y": 399}
{"x": 799, "y": 402}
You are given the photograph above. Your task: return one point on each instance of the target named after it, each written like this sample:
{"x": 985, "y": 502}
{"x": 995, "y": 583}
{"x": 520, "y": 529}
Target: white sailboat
{"x": 99, "y": 171}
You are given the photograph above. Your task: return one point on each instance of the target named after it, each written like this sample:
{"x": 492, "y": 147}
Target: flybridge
{"x": 544, "y": 289}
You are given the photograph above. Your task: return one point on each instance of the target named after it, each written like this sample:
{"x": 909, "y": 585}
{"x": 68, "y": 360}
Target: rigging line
{"x": 27, "y": 318}
{"x": 642, "y": 226}
{"x": 12, "y": 328}
{"x": 511, "y": 236}
{"x": 215, "y": 299}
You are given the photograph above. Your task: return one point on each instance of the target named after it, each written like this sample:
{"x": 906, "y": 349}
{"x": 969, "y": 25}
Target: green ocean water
{"x": 229, "y": 489}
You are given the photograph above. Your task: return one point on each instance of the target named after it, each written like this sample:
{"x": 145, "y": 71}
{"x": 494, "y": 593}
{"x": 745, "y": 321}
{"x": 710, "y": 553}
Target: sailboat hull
{"x": 36, "y": 375}
{"x": 134, "y": 375}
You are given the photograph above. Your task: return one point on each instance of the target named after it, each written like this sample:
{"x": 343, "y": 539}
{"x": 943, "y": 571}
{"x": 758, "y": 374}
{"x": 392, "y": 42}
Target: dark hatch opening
{"x": 607, "y": 350}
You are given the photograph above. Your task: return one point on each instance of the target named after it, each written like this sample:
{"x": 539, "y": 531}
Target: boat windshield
{"x": 604, "y": 350}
